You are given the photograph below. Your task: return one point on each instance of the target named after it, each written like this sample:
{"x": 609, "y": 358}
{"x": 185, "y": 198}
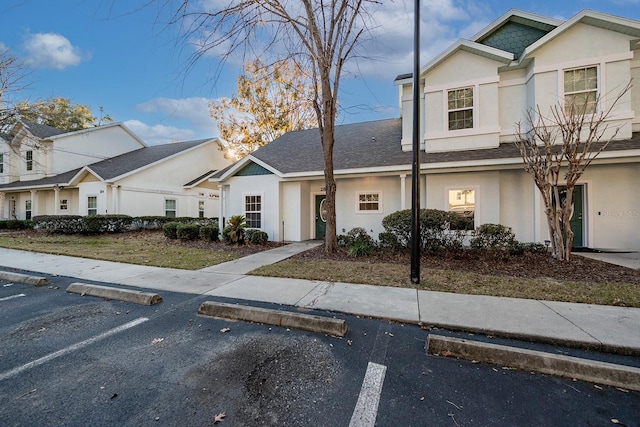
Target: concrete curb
{"x": 23, "y": 278}
{"x": 610, "y": 374}
{"x": 307, "y": 322}
{"x": 128, "y": 295}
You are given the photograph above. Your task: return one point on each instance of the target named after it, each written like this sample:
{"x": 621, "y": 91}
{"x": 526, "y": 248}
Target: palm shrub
{"x": 234, "y": 232}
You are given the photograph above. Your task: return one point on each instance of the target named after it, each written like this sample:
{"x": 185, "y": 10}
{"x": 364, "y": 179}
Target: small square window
{"x": 369, "y": 202}
{"x": 200, "y": 208}
{"x": 64, "y": 204}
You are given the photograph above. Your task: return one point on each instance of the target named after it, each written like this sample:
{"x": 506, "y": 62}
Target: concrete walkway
{"x": 605, "y": 328}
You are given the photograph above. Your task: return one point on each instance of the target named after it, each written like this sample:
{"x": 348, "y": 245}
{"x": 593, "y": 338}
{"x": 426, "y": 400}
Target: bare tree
{"x": 320, "y": 34}
{"x": 12, "y": 73}
{"x": 556, "y": 150}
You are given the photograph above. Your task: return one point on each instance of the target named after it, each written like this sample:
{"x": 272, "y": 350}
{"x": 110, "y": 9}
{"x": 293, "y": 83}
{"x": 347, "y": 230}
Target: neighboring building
{"x": 104, "y": 170}
{"x": 472, "y": 96}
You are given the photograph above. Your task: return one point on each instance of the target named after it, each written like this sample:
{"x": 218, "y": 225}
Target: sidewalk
{"x": 607, "y": 328}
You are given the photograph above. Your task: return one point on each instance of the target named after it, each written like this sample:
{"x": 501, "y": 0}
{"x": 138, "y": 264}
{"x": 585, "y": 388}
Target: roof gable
{"x": 253, "y": 169}
{"x": 513, "y": 37}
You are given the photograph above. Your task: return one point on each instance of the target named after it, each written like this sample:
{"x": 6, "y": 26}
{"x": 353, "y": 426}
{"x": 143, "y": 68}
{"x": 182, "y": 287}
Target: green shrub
{"x": 493, "y": 236}
{"x": 387, "y": 240}
{"x": 234, "y": 232}
{"x": 438, "y": 230}
{"x": 256, "y": 236}
{"x": 209, "y": 233}
{"x": 188, "y": 231}
{"x": 170, "y": 230}
{"x": 3, "y": 224}
{"x": 519, "y": 248}
{"x": 97, "y": 224}
{"x": 59, "y": 224}
{"x": 17, "y": 224}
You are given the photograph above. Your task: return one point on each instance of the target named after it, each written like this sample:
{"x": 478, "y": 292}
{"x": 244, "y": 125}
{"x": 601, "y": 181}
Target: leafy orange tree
{"x": 556, "y": 150}
{"x": 270, "y": 101}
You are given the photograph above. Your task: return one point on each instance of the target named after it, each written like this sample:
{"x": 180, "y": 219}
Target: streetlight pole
{"x": 415, "y": 167}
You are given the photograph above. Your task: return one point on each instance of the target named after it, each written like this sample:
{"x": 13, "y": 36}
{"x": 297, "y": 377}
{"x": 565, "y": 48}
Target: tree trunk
{"x": 328, "y": 130}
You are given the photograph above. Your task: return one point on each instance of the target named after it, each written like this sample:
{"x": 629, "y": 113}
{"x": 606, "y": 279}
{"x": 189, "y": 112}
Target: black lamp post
{"x": 415, "y": 167}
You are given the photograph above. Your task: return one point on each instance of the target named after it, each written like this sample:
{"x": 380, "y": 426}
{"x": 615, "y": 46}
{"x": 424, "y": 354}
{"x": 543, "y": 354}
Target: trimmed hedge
{"x": 15, "y": 224}
{"x": 493, "y": 236}
{"x": 210, "y": 233}
{"x": 438, "y": 230}
{"x": 188, "y": 231}
{"x": 76, "y": 224}
{"x": 170, "y": 230}
{"x": 256, "y": 236}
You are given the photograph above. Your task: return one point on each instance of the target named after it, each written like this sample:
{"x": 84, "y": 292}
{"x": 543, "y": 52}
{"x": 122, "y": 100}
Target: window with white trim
{"x": 463, "y": 202}
{"x": 581, "y": 90}
{"x": 27, "y": 209}
{"x": 170, "y": 208}
{"x": 460, "y": 108}
{"x": 253, "y": 210}
{"x": 64, "y": 204}
{"x": 29, "y": 159}
{"x": 369, "y": 202}
{"x": 92, "y": 205}
{"x": 200, "y": 208}
{"x": 1, "y": 163}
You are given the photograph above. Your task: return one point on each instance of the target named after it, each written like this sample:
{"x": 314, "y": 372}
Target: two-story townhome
{"x": 472, "y": 96}
{"x": 104, "y": 170}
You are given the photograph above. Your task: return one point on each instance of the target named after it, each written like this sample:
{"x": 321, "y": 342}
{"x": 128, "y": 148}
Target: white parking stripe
{"x": 12, "y": 297}
{"x": 367, "y": 407}
{"x": 15, "y": 371}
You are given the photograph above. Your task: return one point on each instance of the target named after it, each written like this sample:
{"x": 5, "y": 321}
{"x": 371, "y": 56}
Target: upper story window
{"x": 460, "y": 107}
{"x": 1, "y": 163}
{"x": 370, "y": 202}
{"x": 253, "y": 210}
{"x": 29, "y": 158}
{"x": 170, "y": 208}
{"x": 581, "y": 90}
{"x": 463, "y": 202}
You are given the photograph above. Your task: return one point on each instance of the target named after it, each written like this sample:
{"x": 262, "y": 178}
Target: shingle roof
{"x": 371, "y": 145}
{"x": 200, "y": 178}
{"x": 115, "y": 166}
{"x": 42, "y": 131}
{"x": 129, "y": 162}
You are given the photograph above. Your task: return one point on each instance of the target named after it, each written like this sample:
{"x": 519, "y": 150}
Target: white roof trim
{"x": 98, "y": 128}
{"x": 472, "y": 47}
{"x": 241, "y": 164}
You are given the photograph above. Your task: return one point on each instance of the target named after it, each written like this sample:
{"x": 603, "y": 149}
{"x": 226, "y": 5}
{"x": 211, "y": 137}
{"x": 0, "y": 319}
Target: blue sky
{"x": 122, "y": 57}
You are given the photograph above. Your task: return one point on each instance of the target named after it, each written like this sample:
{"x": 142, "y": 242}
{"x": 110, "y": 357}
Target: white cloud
{"x": 50, "y": 50}
{"x": 193, "y": 110}
{"x": 158, "y": 134}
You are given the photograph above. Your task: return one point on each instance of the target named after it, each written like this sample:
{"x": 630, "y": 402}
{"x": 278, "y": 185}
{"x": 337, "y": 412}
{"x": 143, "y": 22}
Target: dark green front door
{"x": 576, "y": 219}
{"x": 321, "y": 222}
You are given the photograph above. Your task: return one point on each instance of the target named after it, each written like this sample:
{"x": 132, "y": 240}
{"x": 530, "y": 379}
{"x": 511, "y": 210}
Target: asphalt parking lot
{"x": 74, "y": 360}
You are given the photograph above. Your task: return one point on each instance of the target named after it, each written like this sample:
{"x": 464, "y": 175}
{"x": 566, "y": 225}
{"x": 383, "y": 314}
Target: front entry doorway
{"x": 321, "y": 216}
{"x": 576, "y": 222}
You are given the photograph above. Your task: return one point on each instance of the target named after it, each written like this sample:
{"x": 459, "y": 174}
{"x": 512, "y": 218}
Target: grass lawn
{"x": 134, "y": 248}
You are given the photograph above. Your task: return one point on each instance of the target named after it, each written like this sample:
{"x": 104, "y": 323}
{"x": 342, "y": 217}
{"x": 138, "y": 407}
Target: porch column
{"x": 2, "y": 199}
{"x": 403, "y": 191}
{"x": 115, "y": 198}
{"x": 56, "y": 200}
{"x": 34, "y": 202}
{"x": 221, "y": 207}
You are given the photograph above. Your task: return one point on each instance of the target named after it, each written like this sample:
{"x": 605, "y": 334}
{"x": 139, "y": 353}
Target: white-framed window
{"x": 460, "y": 108}
{"x": 369, "y": 202}
{"x": 462, "y": 201}
{"x": 92, "y": 205}
{"x": 253, "y": 210}
{"x": 64, "y": 204}
{"x": 170, "y": 208}
{"x": 29, "y": 159}
{"x": 27, "y": 209}
{"x": 581, "y": 90}
{"x": 1, "y": 162}
{"x": 200, "y": 208}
